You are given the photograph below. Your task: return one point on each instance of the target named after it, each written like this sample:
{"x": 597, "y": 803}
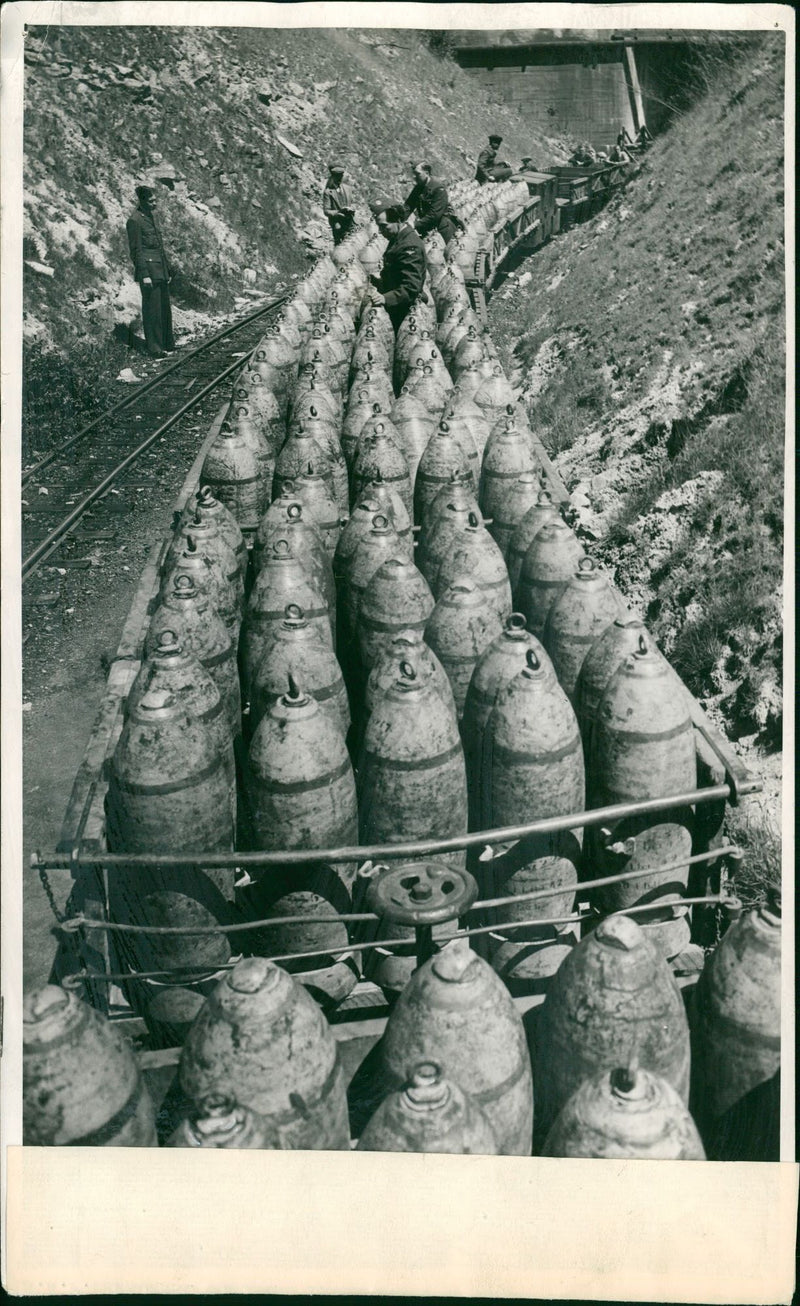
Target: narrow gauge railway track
{"x": 72, "y": 480}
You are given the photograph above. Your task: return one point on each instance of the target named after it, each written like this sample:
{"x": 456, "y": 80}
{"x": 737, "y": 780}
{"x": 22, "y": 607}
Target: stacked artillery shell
{"x": 207, "y": 508}
{"x": 463, "y": 623}
{"x": 202, "y": 535}
{"x": 168, "y": 792}
{"x": 282, "y": 579}
{"x": 548, "y": 564}
{"x": 81, "y": 1084}
{"x": 263, "y": 1040}
{"x": 442, "y": 456}
{"x": 302, "y": 794}
{"x": 406, "y": 646}
{"x": 431, "y": 1114}
{"x": 580, "y": 614}
{"x": 623, "y": 1114}
{"x": 379, "y": 456}
{"x": 187, "y": 611}
{"x": 643, "y": 747}
{"x": 414, "y": 425}
{"x": 504, "y": 658}
{"x": 506, "y": 458}
{"x": 173, "y": 669}
{"x": 254, "y": 393}
{"x": 412, "y": 780}
{"x": 390, "y": 503}
{"x": 524, "y": 533}
{"x": 456, "y": 1012}
{"x": 605, "y": 656}
{"x": 396, "y": 598}
{"x": 374, "y": 547}
{"x": 579, "y": 1033}
{"x": 299, "y": 648}
{"x": 286, "y": 519}
{"x": 237, "y": 470}
{"x": 201, "y": 561}
{"x": 531, "y": 768}
{"x": 325, "y": 431}
{"x": 443, "y": 519}
{"x": 736, "y": 1048}
{"x": 474, "y": 553}
{"x": 316, "y": 498}
{"x": 218, "y": 1121}
{"x": 301, "y": 454}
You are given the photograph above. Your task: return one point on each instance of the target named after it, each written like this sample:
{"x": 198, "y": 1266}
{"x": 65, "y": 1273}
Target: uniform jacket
{"x": 403, "y": 271}
{"x": 335, "y": 199}
{"x": 430, "y": 203}
{"x": 486, "y": 160}
{"x": 147, "y": 248}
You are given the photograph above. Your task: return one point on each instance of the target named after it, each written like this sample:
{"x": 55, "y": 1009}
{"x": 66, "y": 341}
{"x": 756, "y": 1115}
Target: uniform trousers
{"x": 157, "y": 317}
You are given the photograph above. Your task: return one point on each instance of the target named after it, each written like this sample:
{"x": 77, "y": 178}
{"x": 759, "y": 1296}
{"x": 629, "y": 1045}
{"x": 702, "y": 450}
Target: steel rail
{"x": 395, "y": 851}
{"x": 186, "y": 971}
{"x": 146, "y": 387}
{"x": 74, "y": 923}
{"x": 52, "y": 541}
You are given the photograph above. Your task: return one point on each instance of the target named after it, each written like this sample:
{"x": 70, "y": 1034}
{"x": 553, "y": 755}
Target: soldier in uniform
{"x": 488, "y": 169}
{"x": 430, "y": 202}
{"x": 154, "y": 271}
{"x": 337, "y": 204}
{"x": 400, "y": 283}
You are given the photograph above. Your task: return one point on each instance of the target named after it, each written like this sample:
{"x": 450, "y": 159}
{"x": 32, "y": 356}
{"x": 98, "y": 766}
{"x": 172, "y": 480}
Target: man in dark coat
{"x": 488, "y": 169}
{"x": 430, "y": 202}
{"x": 153, "y": 271}
{"x": 402, "y": 277}
{"x": 337, "y": 204}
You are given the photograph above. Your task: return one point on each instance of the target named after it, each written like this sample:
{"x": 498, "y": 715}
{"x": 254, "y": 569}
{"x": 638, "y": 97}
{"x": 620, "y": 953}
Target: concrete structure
{"x": 571, "y": 84}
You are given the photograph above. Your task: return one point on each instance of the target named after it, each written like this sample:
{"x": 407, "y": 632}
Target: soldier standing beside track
{"x": 153, "y": 271}
{"x": 400, "y": 283}
{"x": 337, "y": 204}
{"x": 429, "y": 200}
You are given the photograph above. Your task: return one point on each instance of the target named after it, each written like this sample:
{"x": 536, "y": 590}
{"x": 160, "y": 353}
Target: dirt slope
{"x": 240, "y": 124}
{"x": 650, "y": 347}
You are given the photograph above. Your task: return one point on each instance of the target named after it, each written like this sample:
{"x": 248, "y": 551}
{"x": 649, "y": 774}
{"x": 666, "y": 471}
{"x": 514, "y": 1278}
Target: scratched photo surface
{"x": 402, "y": 441}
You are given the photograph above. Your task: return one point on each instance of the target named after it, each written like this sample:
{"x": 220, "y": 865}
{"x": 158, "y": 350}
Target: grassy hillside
{"x": 240, "y": 124}
{"x": 650, "y": 347}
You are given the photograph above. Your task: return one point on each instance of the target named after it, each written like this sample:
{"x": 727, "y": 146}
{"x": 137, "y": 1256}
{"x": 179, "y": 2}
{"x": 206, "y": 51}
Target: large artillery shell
{"x": 613, "y": 972}
{"x": 261, "y": 1038}
{"x": 81, "y": 1084}
{"x": 548, "y": 564}
{"x": 474, "y": 553}
{"x": 643, "y": 747}
{"x": 412, "y": 780}
{"x": 463, "y": 623}
{"x": 523, "y": 534}
{"x": 532, "y": 767}
{"x": 396, "y": 598}
{"x": 282, "y": 579}
{"x": 625, "y": 1114}
{"x": 187, "y": 611}
{"x": 299, "y": 648}
{"x": 582, "y": 611}
{"x": 172, "y": 668}
{"x": 431, "y": 1114}
{"x": 506, "y": 458}
{"x": 504, "y": 658}
{"x": 605, "y": 656}
{"x": 736, "y": 1026}
{"x": 455, "y": 1011}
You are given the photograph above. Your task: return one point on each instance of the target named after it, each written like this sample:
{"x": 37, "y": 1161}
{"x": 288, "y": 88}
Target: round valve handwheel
{"x": 422, "y": 893}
